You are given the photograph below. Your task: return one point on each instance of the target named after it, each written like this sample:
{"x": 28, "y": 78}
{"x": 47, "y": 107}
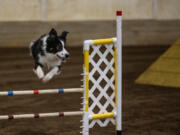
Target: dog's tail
{"x": 30, "y": 47}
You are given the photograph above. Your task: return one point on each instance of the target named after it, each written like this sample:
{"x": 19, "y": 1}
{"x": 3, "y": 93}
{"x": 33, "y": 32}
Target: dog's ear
{"x": 53, "y": 33}
{"x": 63, "y": 35}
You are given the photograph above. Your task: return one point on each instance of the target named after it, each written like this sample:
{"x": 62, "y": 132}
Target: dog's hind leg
{"x": 38, "y": 70}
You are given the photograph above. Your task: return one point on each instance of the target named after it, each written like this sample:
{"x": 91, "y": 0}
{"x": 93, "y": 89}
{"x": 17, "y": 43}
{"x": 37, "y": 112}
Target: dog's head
{"x": 57, "y": 44}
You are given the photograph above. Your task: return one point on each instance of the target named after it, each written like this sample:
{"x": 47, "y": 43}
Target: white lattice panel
{"x": 101, "y": 78}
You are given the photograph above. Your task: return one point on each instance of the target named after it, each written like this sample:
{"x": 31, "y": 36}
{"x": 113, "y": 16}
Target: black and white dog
{"x": 49, "y": 51}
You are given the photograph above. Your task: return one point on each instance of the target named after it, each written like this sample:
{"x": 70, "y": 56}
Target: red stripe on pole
{"x": 61, "y": 114}
{"x": 36, "y": 115}
{"x": 10, "y": 117}
{"x": 36, "y": 91}
{"x": 119, "y": 13}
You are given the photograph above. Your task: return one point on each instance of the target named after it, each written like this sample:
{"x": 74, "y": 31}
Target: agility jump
{"x": 102, "y": 85}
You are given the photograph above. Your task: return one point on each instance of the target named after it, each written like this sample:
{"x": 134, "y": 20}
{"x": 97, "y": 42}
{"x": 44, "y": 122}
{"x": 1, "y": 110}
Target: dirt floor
{"x": 147, "y": 110}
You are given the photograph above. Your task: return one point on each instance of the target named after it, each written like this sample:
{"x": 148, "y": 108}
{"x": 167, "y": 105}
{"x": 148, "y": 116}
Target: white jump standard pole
{"x": 119, "y": 73}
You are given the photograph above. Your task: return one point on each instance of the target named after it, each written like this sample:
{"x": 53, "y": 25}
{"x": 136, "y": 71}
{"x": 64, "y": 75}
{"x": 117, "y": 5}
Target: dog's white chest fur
{"x": 50, "y": 60}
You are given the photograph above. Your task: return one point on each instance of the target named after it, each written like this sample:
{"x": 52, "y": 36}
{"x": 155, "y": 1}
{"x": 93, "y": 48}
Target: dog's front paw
{"x": 47, "y": 78}
{"x": 39, "y": 72}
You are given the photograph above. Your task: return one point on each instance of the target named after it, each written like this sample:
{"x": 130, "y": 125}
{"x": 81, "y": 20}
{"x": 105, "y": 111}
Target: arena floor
{"x": 147, "y": 110}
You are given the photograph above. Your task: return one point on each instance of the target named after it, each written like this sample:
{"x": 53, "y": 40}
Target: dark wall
{"x": 141, "y": 32}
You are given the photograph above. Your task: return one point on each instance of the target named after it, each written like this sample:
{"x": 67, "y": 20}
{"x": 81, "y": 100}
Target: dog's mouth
{"x": 60, "y": 57}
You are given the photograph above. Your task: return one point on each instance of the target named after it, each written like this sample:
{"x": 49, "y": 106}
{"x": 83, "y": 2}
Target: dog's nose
{"x": 67, "y": 55}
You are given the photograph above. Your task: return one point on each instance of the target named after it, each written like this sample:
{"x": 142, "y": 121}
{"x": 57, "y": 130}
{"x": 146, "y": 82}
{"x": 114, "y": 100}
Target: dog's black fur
{"x": 49, "y": 50}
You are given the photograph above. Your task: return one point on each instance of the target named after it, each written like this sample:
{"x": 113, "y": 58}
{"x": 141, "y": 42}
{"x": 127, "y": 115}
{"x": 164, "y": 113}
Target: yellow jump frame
{"x": 87, "y": 116}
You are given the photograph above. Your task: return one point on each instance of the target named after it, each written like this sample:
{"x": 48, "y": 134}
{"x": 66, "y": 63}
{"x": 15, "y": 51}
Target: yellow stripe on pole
{"x": 103, "y": 41}
{"x": 86, "y": 66}
{"x": 103, "y": 116}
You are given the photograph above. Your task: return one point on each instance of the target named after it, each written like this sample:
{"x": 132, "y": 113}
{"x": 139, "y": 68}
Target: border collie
{"x": 49, "y": 51}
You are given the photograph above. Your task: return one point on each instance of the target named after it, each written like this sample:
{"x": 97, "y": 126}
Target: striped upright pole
{"x": 119, "y": 73}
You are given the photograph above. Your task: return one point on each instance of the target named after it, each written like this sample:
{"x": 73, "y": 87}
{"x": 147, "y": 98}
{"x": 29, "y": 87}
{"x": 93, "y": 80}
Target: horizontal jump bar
{"x": 35, "y": 92}
{"x": 104, "y": 41}
{"x": 41, "y": 115}
{"x": 102, "y": 115}
{"x": 56, "y": 114}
